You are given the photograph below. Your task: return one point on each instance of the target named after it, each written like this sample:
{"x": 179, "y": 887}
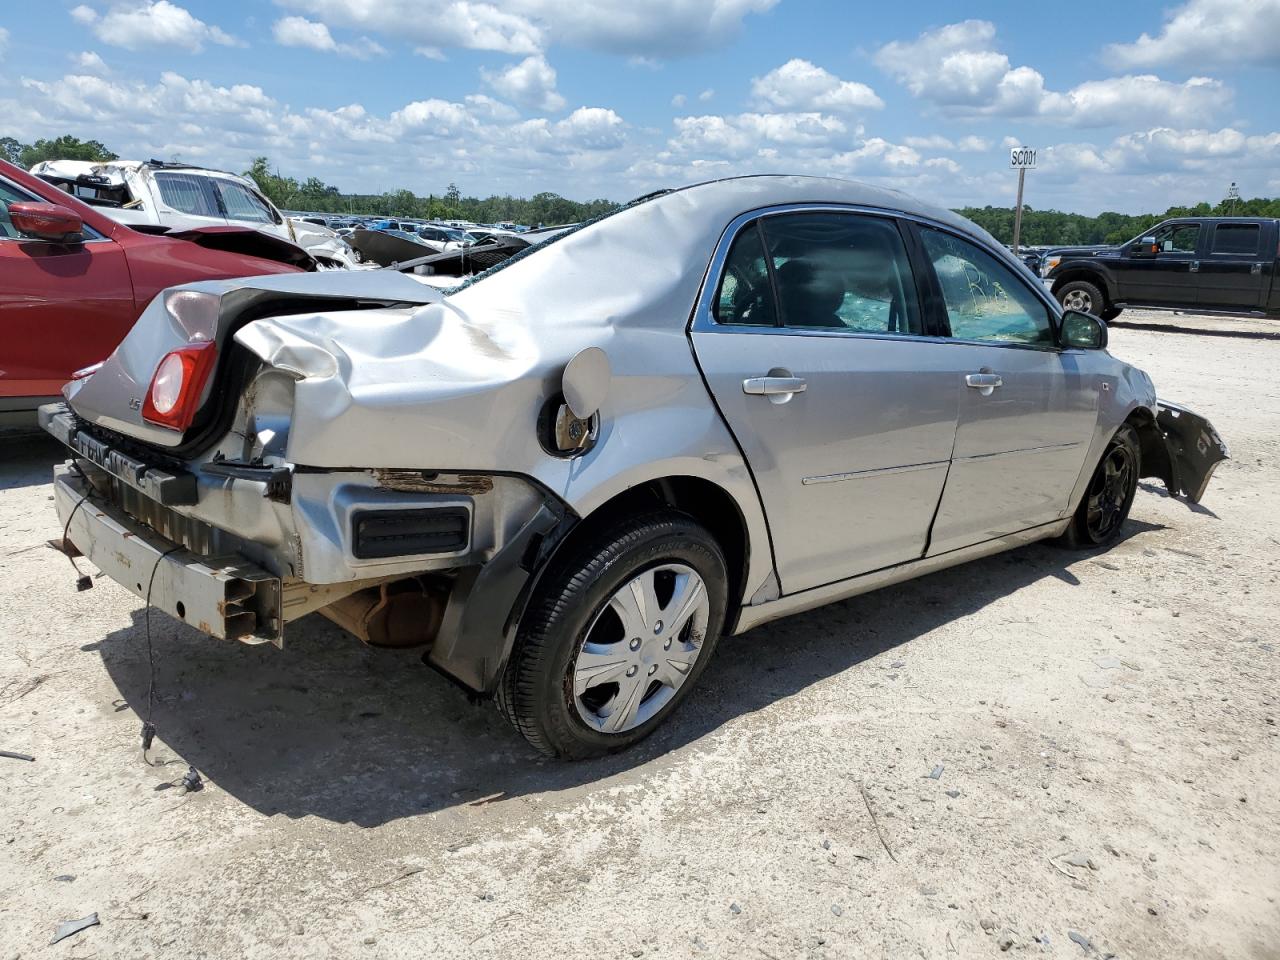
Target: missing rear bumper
{"x": 225, "y": 597}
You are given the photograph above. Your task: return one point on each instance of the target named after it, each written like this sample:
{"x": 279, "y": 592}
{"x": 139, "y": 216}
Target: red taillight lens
{"x": 174, "y": 394}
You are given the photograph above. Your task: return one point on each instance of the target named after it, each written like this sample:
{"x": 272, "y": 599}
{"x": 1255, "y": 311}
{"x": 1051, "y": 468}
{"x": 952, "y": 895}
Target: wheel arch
{"x": 1153, "y": 452}
{"x": 706, "y": 501}
{"x": 1088, "y": 274}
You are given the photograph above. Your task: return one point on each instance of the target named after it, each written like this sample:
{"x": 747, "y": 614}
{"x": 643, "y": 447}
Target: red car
{"x": 73, "y": 281}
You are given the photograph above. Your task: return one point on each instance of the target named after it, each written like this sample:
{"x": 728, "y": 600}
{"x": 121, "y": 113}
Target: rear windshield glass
{"x": 528, "y": 251}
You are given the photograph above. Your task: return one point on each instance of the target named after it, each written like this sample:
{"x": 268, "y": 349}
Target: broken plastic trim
{"x": 1194, "y": 450}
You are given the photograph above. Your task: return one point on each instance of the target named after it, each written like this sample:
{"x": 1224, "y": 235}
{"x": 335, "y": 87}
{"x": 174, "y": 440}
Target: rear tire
{"x": 1106, "y": 502}
{"x": 616, "y": 636}
{"x": 1082, "y": 295}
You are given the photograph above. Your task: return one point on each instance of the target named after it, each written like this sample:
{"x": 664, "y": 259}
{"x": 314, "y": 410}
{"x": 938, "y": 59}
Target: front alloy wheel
{"x": 1109, "y": 493}
{"x": 1109, "y": 496}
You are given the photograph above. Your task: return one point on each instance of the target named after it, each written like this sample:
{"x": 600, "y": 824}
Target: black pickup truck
{"x": 1205, "y": 264}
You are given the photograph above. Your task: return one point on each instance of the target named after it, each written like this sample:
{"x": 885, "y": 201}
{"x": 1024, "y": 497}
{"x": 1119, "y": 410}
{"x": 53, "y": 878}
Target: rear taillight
{"x": 174, "y": 394}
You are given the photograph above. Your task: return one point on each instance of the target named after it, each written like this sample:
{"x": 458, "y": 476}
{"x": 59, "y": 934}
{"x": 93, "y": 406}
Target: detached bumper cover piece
{"x": 224, "y": 597}
{"x": 1194, "y": 450}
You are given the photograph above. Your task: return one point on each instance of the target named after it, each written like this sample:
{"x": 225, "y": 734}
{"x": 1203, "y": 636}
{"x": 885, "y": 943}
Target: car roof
{"x": 745, "y": 193}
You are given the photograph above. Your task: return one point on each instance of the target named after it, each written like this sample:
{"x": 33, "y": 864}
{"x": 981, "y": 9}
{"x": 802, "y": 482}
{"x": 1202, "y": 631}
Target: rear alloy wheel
{"x": 632, "y": 661}
{"x": 1083, "y": 296}
{"x": 615, "y": 636}
{"x": 1110, "y": 494}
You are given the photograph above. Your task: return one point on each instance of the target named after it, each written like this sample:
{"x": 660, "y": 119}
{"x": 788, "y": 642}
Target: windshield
{"x": 242, "y": 203}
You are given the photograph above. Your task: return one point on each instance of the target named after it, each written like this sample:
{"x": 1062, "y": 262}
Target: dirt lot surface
{"x": 1104, "y": 726}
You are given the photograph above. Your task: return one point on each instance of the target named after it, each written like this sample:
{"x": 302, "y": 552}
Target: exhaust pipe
{"x": 406, "y": 613}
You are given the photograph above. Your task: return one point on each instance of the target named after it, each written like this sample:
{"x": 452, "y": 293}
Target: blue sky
{"x": 1133, "y": 106}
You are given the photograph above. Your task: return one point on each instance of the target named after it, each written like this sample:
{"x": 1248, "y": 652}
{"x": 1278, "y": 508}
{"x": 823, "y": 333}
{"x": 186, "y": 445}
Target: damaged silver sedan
{"x": 567, "y": 475}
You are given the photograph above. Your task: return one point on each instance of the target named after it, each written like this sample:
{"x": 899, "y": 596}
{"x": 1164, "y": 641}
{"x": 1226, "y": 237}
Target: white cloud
{"x": 969, "y": 144}
{"x": 4, "y": 38}
{"x": 706, "y": 95}
{"x": 656, "y": 30}
{"x": 678, "y": 100}
{"x": 88, "y": 62}
{"x": 453, "y": 23}
{"x": 958, "y": 67}
{"x": 951, "y": 65}
{"x": 815, "y": 143}
{"x": 800, "y": 85}
{"x": 1208, "y": 32}
{"x": 423, "y": 144}
{"x": 1119, "y": 100}
{"x": 431, "y": 53}
{"x": 489, "y": 108}
{"x": 301, "y": 32}
{"x": 530, "y": 83}
{"x": 151, "y": 23}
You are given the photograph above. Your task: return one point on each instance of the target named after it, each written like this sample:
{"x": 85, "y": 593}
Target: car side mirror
{"x": 46, "y": 221}
{"x": 1146, "y": 247}
{"x": 1083, "y": 331}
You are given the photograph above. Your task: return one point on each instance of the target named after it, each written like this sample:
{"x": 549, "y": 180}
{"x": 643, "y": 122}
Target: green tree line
{"x": 27, "y": 155}
{"x": 314, "y": 195}
{"x": 1039, "y": 227}
{"x": 1055, "y": 228}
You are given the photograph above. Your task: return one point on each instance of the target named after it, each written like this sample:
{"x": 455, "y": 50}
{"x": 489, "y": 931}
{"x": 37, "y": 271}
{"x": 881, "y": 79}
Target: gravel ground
{"x": 1104, "y": 725}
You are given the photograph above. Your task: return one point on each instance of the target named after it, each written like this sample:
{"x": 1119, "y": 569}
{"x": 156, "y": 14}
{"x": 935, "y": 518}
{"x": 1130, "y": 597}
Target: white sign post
{"x": 1021, "y": 159}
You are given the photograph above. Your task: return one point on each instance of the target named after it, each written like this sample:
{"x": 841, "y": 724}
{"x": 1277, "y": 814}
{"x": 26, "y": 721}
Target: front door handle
{"x": 983, "y": 381}
{"x": 1195, "y": 266}
{"x": 773, "y": 386}
{"x": 1256, "y": 269}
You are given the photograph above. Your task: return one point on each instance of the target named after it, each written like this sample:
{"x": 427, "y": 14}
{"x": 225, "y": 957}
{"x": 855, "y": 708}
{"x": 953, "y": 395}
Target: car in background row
{"x": 566, "y": 478}
{"x": 1225, "y": 265}
{"x": 73, "y": 281}
{"x": 154, "y": 196}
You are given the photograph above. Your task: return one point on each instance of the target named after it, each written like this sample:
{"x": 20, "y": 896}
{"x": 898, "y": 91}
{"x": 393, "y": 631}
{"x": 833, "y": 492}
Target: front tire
{"x": 1083, "y": 296}
{"x": 1109, "y": 496}
{"x": 615, "y": 636}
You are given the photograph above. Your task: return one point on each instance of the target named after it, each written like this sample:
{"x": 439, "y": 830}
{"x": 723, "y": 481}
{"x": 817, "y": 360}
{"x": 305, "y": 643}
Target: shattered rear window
{"x": 528, "y": 251}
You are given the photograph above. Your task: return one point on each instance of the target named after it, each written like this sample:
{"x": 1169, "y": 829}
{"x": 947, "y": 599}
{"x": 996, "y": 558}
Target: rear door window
{"x": 839, "y": 271}
{"x": 189, "y": 194}
{"x": 1240, "y": 239}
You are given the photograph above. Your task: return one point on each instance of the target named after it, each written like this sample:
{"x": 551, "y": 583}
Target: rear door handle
{"x": 1195, "y": 266}
{"x": 983, "y": 381}
{"x": 773, "y": 386}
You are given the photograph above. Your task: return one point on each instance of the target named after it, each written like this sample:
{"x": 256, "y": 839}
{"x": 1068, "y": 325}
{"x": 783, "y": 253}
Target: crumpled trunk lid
{"x": 112, "y": 397}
